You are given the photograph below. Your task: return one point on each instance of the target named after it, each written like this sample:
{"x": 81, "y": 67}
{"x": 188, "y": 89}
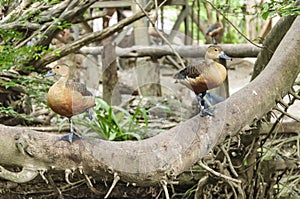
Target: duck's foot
{"x": 207, "y": 111}
{"x": 70, "y": 137}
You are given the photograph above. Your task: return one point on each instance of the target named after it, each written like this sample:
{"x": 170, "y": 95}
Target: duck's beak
{"x": 50, "y": 73}
{"x": 224, "y": 56}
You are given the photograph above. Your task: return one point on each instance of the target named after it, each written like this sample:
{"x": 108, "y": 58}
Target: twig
{"x": 240, "y": 189}
{"x": 287, "y": 114}
{"x": 217, "y": 173}
{"x": 278, "y": 119}
{"x": 159, "y": 32}
{"x": 294, "y": 94}
{"x": 52, "y": 183}
{"x": 41, "y": 172}
{"x": 160, "y": 191}
{"x": 229, "y": 161}
{"x": 231, "y": 184}
{"x": 282, "y": 103}
{"x": 164, "y": 185}
{"x": 116, "y": 179}
{"x": 250, "y": 149}
{"x": 90, "y": 185}
{"x": 67, "y": 174}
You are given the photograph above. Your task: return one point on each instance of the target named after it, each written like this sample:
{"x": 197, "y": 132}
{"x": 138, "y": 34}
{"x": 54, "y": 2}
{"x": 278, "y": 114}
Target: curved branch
{"x": 168, "y": 154}
{"x": 25, "y": 175}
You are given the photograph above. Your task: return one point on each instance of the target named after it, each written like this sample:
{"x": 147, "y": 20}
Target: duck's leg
{"x": 72, "y": 136}
{"x": 90, "y": 112}
{"x": 203, "y": 101}
{"x": 214, "y": 40}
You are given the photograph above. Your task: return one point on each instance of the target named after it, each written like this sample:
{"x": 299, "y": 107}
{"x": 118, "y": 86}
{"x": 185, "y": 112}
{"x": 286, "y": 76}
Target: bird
{"x": 203, "y": 76}
{"x": 215, "y": 31}
{"x": 68, "y": 98}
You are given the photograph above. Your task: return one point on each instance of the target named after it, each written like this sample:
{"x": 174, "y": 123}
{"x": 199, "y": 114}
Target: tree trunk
{"x": 111, "y": 92}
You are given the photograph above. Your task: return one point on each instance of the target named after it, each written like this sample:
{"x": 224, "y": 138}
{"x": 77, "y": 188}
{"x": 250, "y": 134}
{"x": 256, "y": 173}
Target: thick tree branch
{"x": 170, "y": 153}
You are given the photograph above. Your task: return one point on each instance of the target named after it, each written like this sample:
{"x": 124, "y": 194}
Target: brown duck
{"x": 215, "y": 31}
{"x": 68, "y": 98}
{"x": 204, "y": 75}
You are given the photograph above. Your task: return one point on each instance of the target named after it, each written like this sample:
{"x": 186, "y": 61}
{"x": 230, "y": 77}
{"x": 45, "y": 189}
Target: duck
{"x": 68, "y": 98}
{"x": 203, "y": 76}
{"x": 215, "y": 31}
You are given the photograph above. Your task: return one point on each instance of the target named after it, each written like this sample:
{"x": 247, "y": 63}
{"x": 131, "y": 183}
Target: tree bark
{"x": 166, "y": 155}
{"x": 233, "y": 50}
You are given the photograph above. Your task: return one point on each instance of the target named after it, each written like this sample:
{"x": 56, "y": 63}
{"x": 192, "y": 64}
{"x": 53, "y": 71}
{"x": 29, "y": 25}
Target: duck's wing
{"x": 82, "y": 98}
{"x": 79, "y": 87}
{"x": 191, "y": 71}
{"x": 213, "y": 29}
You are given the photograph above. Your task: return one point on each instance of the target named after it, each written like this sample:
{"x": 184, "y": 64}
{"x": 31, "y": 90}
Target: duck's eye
{"x": 57, "y": 67}
{"x": 216, "y": 50}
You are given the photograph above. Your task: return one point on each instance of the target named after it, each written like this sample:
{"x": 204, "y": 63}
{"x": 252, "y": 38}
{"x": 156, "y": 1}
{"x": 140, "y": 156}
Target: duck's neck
{"x": 63, "y": 79}
{"x": 209, "y": 61}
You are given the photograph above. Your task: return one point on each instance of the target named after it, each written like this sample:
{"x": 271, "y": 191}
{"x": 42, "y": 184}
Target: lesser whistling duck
{"x": 215, "y": 31}
{"x": 204, "y": 75}
{"x": 68, "y": 98}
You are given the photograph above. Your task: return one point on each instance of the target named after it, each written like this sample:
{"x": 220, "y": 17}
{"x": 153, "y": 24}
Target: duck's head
{"x": 60, "y": 69}
{"x": 215, "y": 53}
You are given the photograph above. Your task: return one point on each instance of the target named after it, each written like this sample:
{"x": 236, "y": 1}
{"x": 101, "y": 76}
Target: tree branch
{"x": 25, "y": 175}
{"x": 89, "y": 38}
{"x": 233, "y": 50}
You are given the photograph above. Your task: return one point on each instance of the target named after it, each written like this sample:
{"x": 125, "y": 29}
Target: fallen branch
{"x": 233, "y": 50}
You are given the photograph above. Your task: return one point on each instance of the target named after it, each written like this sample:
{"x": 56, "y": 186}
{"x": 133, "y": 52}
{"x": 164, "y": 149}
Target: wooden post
{"x": 111, "y": 92}
{"x": 109, "y": 73}
{"x": 148, "y": 73}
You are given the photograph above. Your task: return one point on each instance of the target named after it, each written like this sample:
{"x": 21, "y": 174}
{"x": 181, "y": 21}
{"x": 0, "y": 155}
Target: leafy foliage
{"x": 9, "y": 112}
{"x": 116, "y": 123}
{"x": 279, "y": 8}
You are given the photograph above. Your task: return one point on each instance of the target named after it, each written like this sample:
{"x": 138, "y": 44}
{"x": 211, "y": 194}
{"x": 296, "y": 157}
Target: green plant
{"x": 116, "y": 123}
{"x": 281, "y": 8}
{"x": 9, "y": 112}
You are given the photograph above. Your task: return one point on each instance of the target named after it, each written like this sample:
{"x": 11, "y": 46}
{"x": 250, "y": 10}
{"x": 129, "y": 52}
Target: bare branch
{"x": 204, "y": 166}
{"x": 233, "y": 50}
{"x": 26, "y": 175}
{"x": 89, "y": 38}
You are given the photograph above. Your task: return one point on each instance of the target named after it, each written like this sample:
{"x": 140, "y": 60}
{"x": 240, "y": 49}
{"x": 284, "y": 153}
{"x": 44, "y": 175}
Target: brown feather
{"x": 204, "y": 75}
{"x": 67, "y": 97}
